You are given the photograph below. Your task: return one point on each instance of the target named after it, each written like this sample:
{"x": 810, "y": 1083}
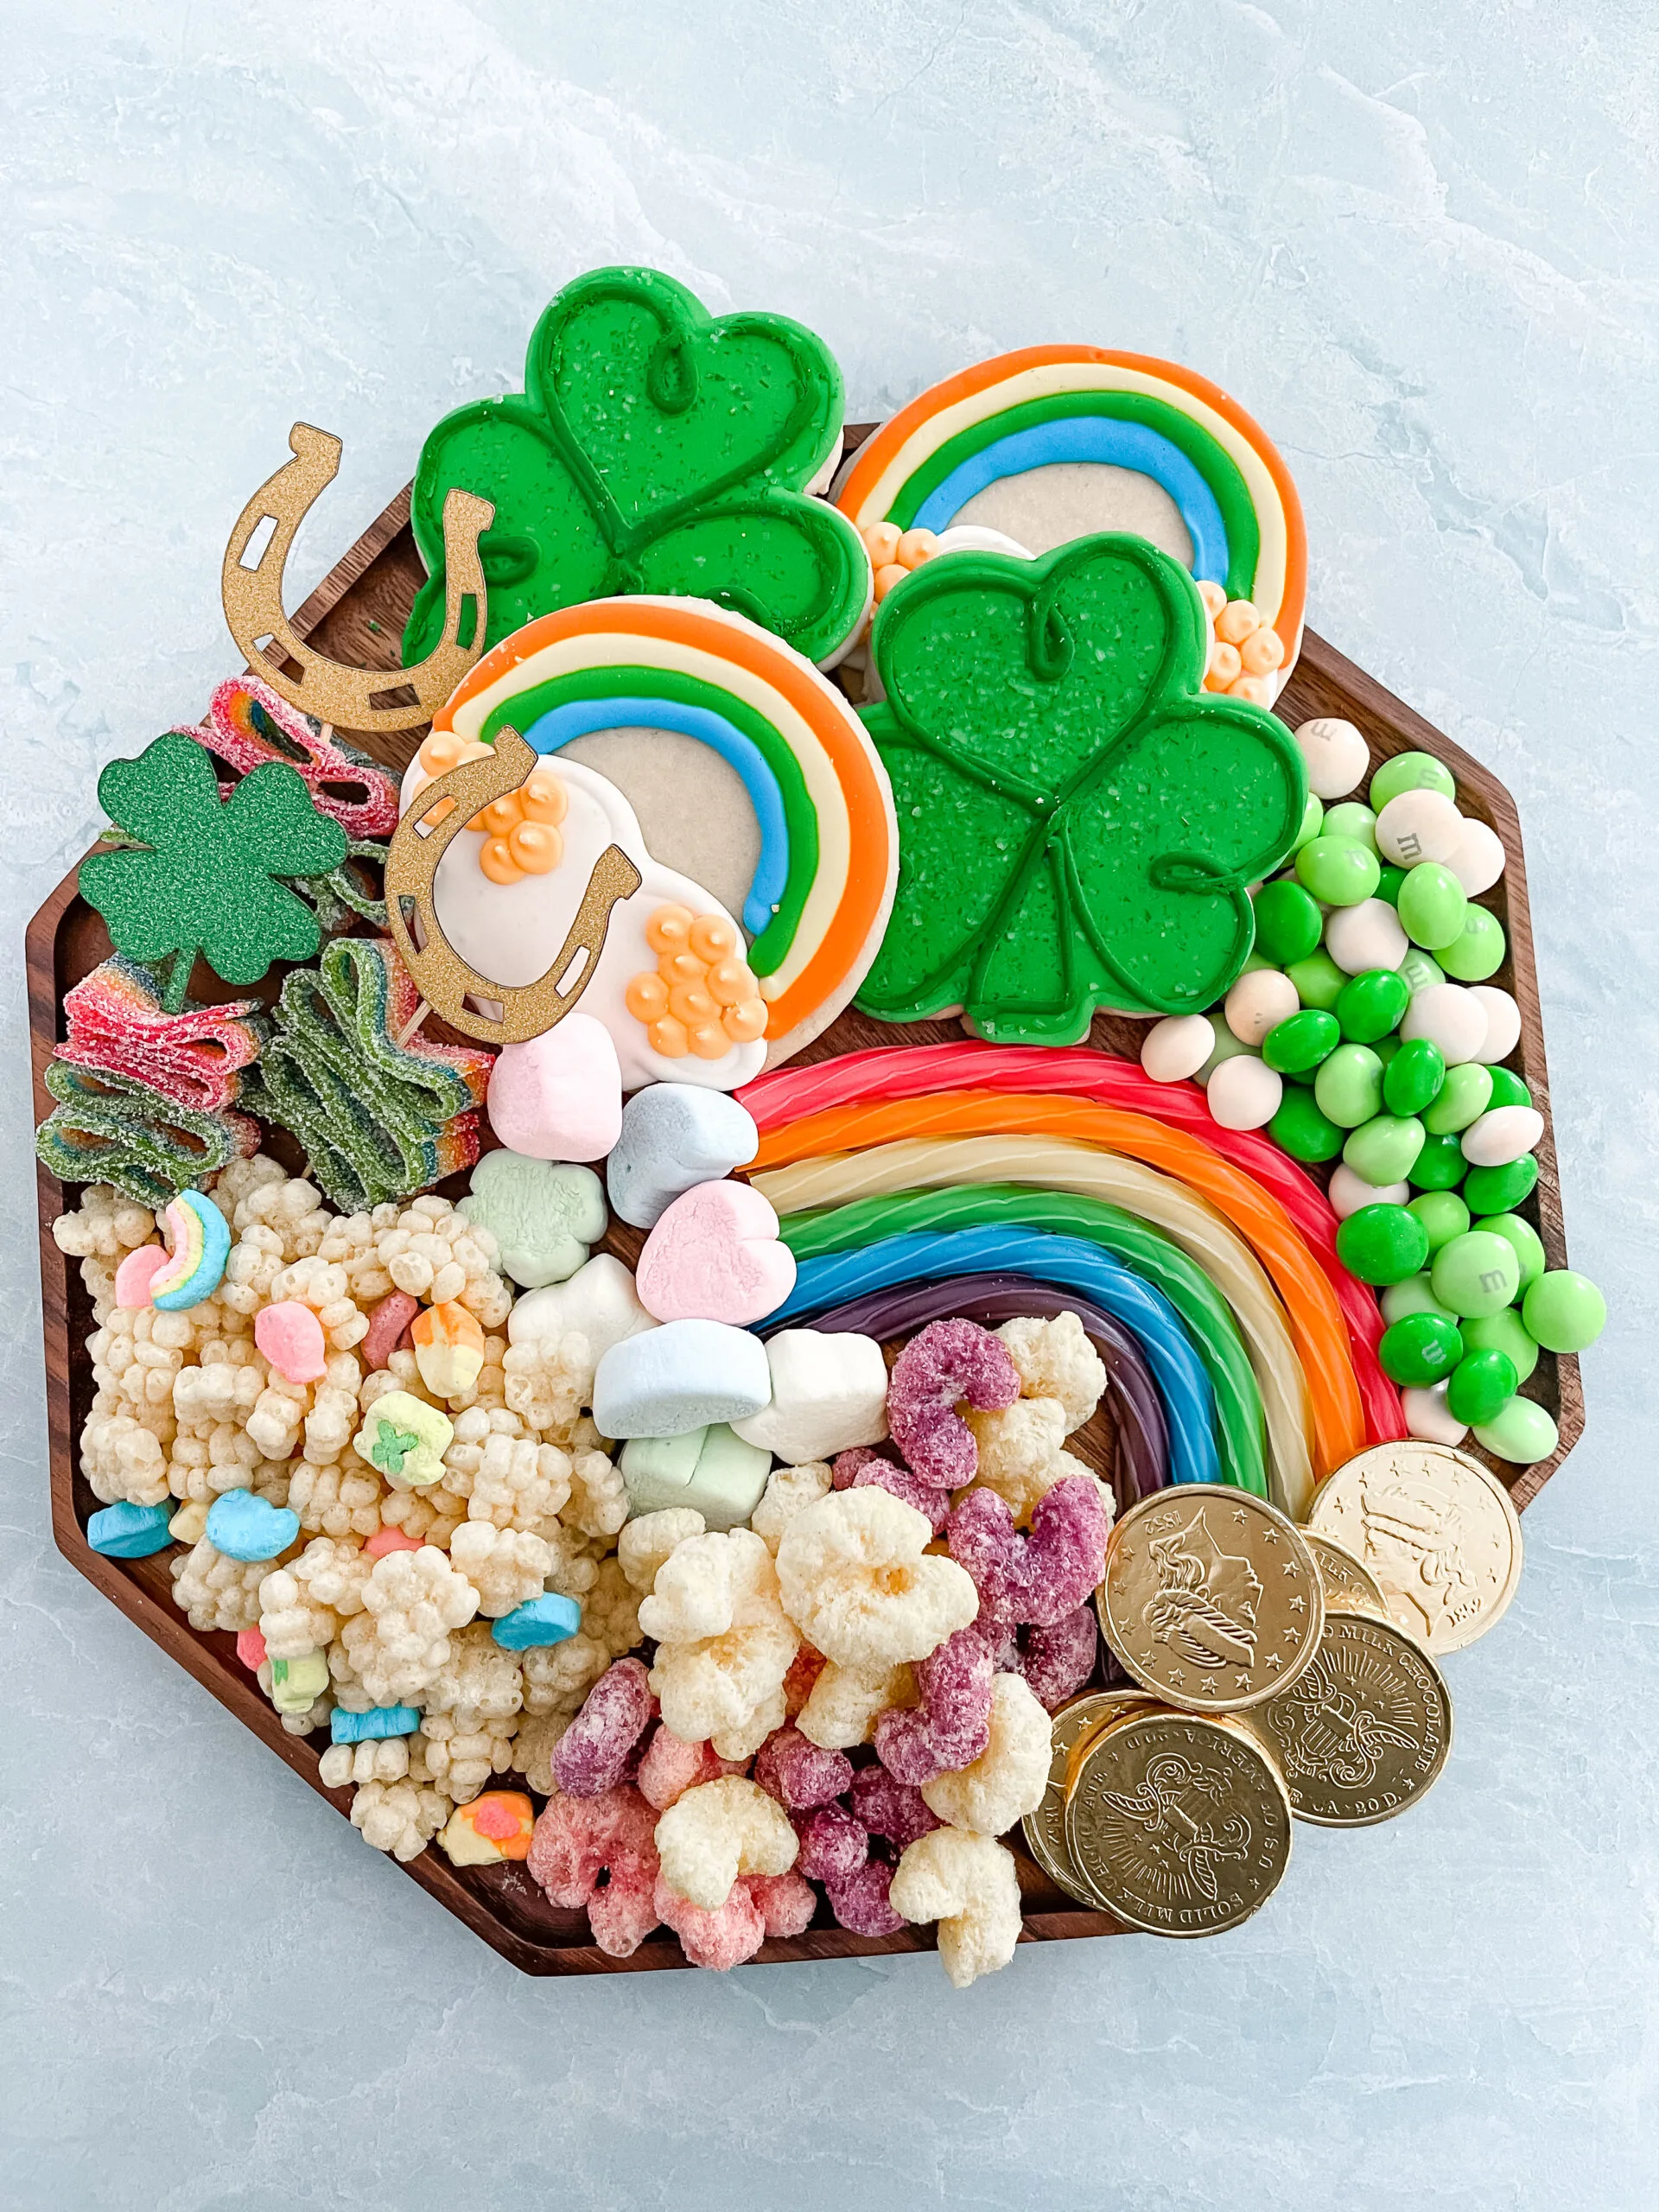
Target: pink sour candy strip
{"x": 948, "y": 1362}
{"x": 593, "y": 1754}
{"x": 248, "y": 724}
{"x": 116, "y": 1025}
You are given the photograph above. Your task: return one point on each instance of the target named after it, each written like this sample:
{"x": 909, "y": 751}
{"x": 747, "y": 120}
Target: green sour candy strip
{"x": 112, "y": 1128}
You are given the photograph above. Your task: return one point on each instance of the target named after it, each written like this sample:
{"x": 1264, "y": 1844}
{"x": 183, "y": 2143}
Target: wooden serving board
{"x": 357, "y": 615}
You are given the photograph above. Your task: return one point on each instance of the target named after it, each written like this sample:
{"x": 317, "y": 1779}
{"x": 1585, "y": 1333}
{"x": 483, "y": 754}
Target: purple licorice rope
{"x": 1141, "y": 1463}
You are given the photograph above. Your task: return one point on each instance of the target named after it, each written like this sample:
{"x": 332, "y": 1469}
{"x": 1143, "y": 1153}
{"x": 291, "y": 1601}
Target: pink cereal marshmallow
{"x": 391, "y": 1540}
{"x": 387, "y": 1322}
{"x": 291, "y": 1337}
{"x": 136, "y": 1273}
{"x": 251, "y": 1648}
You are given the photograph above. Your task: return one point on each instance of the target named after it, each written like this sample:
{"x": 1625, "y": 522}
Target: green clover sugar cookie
{"x": 654, "y": 448}
{"x": 1078, "y": 819}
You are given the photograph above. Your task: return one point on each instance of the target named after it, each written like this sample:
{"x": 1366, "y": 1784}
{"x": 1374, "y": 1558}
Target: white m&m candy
{"x": 1450, "y": 1017}
{"x": 1177, "y": 1048}
{"x": 1367, "y": 935}
{"x": 1502, "y": 1022}
{"x": 1419, "y": 825}
{"x": 1477, "y": 859}
{"x": 1244, "y": 1093}
{"x": 1336, "y": 754}
{"x": 1259, "y": 1002}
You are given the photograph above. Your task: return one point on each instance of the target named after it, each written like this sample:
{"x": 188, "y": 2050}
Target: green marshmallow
{"x": 1522, "y": 1434}
{"x": 1388, "y": 883}
{"x": 543, "y": 1214}
{"x": 1294, "y": 1046}
{"x": 1300, "y": 1129}
{"x": 405, "y": 1439}
{"x": 1410, "y": 771}
{"x": 1500, "y": 1190}
{"x": 1462, "y": 1098}
{"x": 711, "y": 1470}
{"x": 1503, "y": 1332}
{"x": 296, "y": 1684}
{"x": 1528, "y": 1248}
{"x": 1420, "y": 973}
{"x": 1439, "y": 1166}
{"x": 1287, "y": 923}
{"x": 1432, "y": 905}
{"x": 1482, "y": 1384}
{"x": 1318, "y": 979}
{"x": 1442, "y": 1213}
{"x": 1352, "y": 819}
{"x": 1414, "y": 1295}
{"x": 1338, "y": 870}
{"x": 1419, "y": 1349}
{"x": 1564, "y": 1312}
{"x": 1508, "y": 1089}
{"x": 1414, "y": 1076}
{"x": 1478, "y": 950}
{"x": 1312, "y": 821}
{"x": 1476, "y": 1274}
{"x": 1372, "y": 1005}
{"x": 1384, "y": 1150}
{"x": 1382, "y": 1244}
{"x": 1348, "y": 1088}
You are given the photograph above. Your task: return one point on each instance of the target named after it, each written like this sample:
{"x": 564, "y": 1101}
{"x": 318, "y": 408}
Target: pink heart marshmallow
{"x": 714, "y": 1255}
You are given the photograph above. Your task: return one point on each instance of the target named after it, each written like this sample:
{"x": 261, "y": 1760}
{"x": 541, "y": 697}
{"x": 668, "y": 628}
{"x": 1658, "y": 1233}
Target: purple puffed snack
{"x": 891, "y": 1808}
{"x": 952, "y": 1724}
{"x": 1058, "y": 1660}
{"x": 860, "y": 1467}
{"x": 833, "y": 1846}
{"x": 797, "y": 1773}
{"x": 1037, "y": 1579}
{"x": 949, "y": 1362}
{"x": 593, "y": 1754}
{"x": 860, "y": 1900}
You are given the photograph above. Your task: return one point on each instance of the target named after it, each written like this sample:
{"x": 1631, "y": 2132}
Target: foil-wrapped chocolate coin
{"x": 1348, "y": 1586}
{"x": 1044, "y": 1831}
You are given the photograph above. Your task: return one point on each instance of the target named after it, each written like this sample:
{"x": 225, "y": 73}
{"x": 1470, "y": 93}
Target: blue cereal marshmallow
{"x": 130, "y": 1531}
{"x": 686, "y": 1375}
{"x": 248, "y": 1527}
{"x": 381, "y": 1721}
{"x": 675, "y": 1135}
{"x": 538, "y": 1620}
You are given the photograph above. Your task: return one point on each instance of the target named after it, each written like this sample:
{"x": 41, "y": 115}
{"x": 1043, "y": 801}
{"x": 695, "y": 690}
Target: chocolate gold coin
{"x": 1179, "y": 1824}
{"x": 1365, "y": 1731}
{"x": 1212, "y": 1598}
{"x": 1044, "y": 1831}
{"x": 1349, "y": 1587}
{"x": 1435, "y": 1530}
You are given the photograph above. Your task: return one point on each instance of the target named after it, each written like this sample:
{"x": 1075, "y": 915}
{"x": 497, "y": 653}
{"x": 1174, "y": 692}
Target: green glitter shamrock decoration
{"x": 654, "y": 449}
{"x": 1078, "y": 819}
{"x": 199, "y": 872}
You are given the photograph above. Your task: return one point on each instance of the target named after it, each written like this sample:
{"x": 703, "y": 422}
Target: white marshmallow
{"x": 828, "y": 1393}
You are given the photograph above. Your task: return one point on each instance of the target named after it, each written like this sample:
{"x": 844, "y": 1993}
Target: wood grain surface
{"x": 357, "y": 615}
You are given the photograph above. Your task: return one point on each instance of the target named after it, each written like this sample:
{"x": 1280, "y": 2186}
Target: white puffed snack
{"x": 1419, "y": 825}
{"x": 724, "y": 1642}
{"x": 1504, "y": 1133}
{"x": 1258, "y": 1002}
{"x": 970, "y": 1885}
{"x": 845, "y": 1703}
{"x": 1502, "y": 1022}
{"x": 788, "y": 1490}
{"x": 1368, "y": 935}
{"x": 858, "y": 1581}
{"x": 1008, "y": 1779}
{"x": 1055, "y": 1359}
{"x": 1451, "y": 1018}
{"x": 1244, "y": 1093}
{"x": 1335, "y": 754}
{"x": 645, "y": 1543}
{"x": 718, "y": 1830}
{"x": 1349, "y": 1192}
{"x": 1177, "y": 1048}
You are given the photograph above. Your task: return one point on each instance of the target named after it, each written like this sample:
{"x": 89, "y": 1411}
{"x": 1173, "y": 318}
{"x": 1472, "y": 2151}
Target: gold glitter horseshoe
{"x": 444, "y": 980}
{"x": 327, "y": 688}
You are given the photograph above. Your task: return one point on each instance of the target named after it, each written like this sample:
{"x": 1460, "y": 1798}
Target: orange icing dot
{"x": 729, "y": 981}
{"x": 1256, "y": 689}
{"x": 1261, "y": 651}
{"x": 1236, "y": 620}
{"x": 537, "y": 847}
{"x": 680, "y": 968}
{"x": 691, "y": 1004}
{"x": 703, "y": 998}
{"x": 496, "y": 862}
{"x": 646, "y": 998}
{"x": 499, "y": 817}
{"x": 915, "y": 547}
{"x": 543, "y": 798}
{"x": 1214, "y": 597}
{"x": 1223, "y": 666}
{"x": 440, "y": 752}
{"x": 882, "y": 543}
{"x": 746, "y": 1021}
{"x": 886, "y": 578}
{"x": 668, "y": 1037}
{"x": 709, "y": 1041}
{"x": 669, "y": 929}
{"x": 713, "y": 937}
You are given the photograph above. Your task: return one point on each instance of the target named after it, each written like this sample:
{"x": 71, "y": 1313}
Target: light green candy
{"x": 1478, "y": 950}
{"x": 1564, "y": 1312}
{"x": 1501, "y": 1332}
{"x": 1414, "y": 1295}
{"x": 1410, "y": 771}
{"x": 1312, "y": 821}
{"x": 296, "y": 1684}
{"x": 1339, "y": 871}
{"x": 1442, "y": 1213}
{"x": 405, "y": 1439}
{"x": 1319, "y": 982}
{"x": 1529, "y": 1251}
{"x": 1432, "y": 905}
{"x": 1476, "y": 1273}
{"x": 1420, "y": 971}
{"x": 1522, "y": 1434}
{"x": 543, "y": 1214}
{"x": 1227, "y": 1047}
{"x": 1384, "y": 1149}
{"x": 711, "y": 1470}
{"x": 1463, "y": 1097}
{"x": 1352, "y": 819}
{"x": 1347, "y": 1085}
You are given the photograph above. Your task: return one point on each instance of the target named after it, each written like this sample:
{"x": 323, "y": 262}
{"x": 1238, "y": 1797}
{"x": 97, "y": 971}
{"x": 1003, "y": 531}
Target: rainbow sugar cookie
{"x": 1054, "y": 442}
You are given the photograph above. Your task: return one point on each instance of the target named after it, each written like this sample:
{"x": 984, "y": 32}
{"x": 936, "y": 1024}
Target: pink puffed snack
{"x": 387, "y": 1322}
{"x": 952, "y": 1724}
{"x": 251, "y": 1648}
{"x": 804, "y": 1671}
{"x": 670, "y": 1768}
{"x": 714, "y": 1255}
{"x": 1056, "y": 1662}
{"x": 290, "y": 1336}
{"x": 759, "y": 1905}
{"x": 577, "y": 1841}
{"x": 797, "y": 1773}
{"x": 893, "y": 1809}
{"x": 391, "y": 1540}
{"x": 593, "y": 1754}
{"x": 948, "y": 1362}
{"x": 834, "y": 1844}
{"x": 136, "y": 1273}
{"x": 1040, "y": 1578}
{"x": 859, "y": 1901}
{"x": 861, "y": 1465}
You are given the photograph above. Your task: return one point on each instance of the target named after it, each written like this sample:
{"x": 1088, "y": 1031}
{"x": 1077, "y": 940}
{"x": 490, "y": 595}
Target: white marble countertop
{"x": 1417, "y": 243}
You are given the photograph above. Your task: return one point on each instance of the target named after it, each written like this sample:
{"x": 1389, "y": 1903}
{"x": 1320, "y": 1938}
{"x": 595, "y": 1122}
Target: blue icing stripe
{"x": 1071, "y": 1261}
{"x": 1099, "y": 438}
{"x": 561, "y": 725}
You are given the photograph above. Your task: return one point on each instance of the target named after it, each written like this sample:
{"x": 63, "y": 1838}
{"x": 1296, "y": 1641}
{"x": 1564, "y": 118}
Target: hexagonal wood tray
{"x": 357, "y": 615}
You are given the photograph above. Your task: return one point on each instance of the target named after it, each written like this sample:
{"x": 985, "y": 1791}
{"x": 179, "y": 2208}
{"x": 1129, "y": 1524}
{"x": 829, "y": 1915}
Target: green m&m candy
{"x": 1414, "y": 1076}
{"x": 1352, "y": 819}
{"x": 1432, "y": 905}
{"x": 1293, "y": 1048}
{"x": 1383, "y": 1150}
{"x": 1300, "y": 1129}
{"x": 1348, "y": 1087}
{"x": 1371, "y": 1006}
{"x": 1410, "y": 771}
{"x": 1439, "y": 1166}
{"x": 1287, "y": 923}
{"x": 1529, "y": 1250}
{"x": 1420, "y": 1349}
{"x": 1442, "y": 1213}
{"x": 1522, "y": 1434}
{"x": 1414, "y": 1295}
{"x": 1482, "y": 1384}
{"x": 1476, "y": 1274}
{"x": 1462, "y": 1098}
{"x": 1508, "y": 1089}
{"x": 1339, "y": 870}
{"x": 1312, "y": 821}
{"x": 1478, "y": 950}
{"x": 1388, "y": 883}
{"x": 1421, "y": 973}
{"x": 1382, "y": 1244}
{"x": 1499, "y": 1189}
{"x": 1503, "y": 1332}
{"x": 1318, "y": 979}
{"x": 1564, "y": 1312}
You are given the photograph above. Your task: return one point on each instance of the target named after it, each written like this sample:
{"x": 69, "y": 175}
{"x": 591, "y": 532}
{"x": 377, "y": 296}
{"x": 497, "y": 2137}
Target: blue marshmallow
{"x": 675, "y": 1135}
{"x": 130, "y": 1531}
{"x": 686, "y": 1375}
{"x": 370, "y": 1727}
{"x": 539, "y": 1621}
{"x": 248, "y": 1527}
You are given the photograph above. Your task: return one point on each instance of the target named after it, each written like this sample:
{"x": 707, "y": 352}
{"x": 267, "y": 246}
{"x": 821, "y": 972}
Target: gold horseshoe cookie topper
{"x": 444, "y": 980}
{"x": 327, "y": 688}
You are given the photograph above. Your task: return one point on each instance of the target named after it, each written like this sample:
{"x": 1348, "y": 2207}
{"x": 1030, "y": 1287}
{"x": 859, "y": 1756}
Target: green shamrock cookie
{"x": 405, "y": 1438}
{"x": 654, "y": 449}
{"x": 1078, "y": 819}
{"x": 204, "y": 877}
{"x": 543, "y": 1214}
